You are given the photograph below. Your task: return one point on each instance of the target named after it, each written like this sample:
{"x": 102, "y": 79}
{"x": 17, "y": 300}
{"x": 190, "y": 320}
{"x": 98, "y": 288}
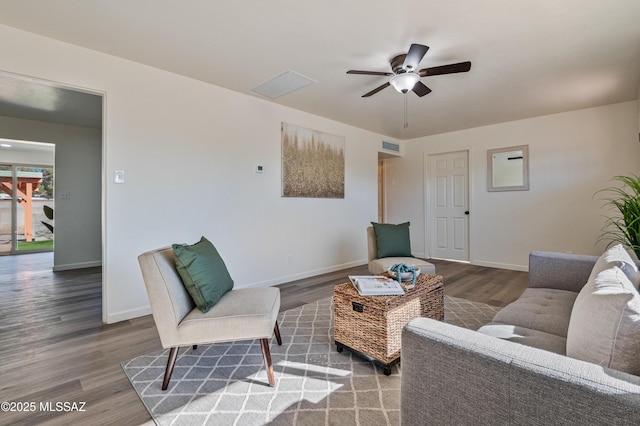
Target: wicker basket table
{"x": 371, "y": 326}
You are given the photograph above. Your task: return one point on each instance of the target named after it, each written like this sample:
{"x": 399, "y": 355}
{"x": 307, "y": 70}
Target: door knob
{"x": 467, "y": 212}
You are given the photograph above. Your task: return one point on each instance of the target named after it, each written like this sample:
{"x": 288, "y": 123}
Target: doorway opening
{"x": 380, "y": 191}
{"x": 71, "y": 118}
{"x": 26, "y": 197}
{"x": 383, "y": 163}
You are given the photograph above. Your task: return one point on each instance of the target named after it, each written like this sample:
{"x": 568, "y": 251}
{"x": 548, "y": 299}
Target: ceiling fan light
{"x": 404, "y": 82}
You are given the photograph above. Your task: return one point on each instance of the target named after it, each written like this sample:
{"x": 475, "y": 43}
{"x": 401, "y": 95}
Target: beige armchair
{"x": 244, "y": 314}
{"x": 379, "y": 266}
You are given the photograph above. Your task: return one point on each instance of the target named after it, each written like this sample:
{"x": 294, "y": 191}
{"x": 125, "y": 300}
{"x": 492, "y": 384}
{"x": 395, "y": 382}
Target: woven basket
{"x": 373, "y": 325}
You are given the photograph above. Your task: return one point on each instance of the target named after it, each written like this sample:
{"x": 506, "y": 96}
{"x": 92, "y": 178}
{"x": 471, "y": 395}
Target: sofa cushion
{"x": 617, "y": 256}
{"x": 542, "y": 309}
{"x": 392, "y": 240}
{"x": 605, "y": 323}
{"x": 203, "y": 272}
{"x": 526, "y": 336}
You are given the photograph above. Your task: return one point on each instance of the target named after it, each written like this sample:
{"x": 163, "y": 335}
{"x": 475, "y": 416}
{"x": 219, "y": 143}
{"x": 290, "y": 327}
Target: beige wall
{"x": 571, "y": 156}
{"x": 188, "y": 150}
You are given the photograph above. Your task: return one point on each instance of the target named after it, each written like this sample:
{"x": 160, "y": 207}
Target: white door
{"x": 448, "y": 224}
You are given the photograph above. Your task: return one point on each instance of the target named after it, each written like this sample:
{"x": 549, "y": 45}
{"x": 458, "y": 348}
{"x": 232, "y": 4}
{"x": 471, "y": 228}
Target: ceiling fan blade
{"x": 388, "y": 74}
{"x": 446, "y": 69}
{"x": 414, "y": 56}
{"x": 420, "y": 89}
{"x": 376, "y": 90}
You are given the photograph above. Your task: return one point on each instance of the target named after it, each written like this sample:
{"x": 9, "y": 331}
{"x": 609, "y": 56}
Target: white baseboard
{"x": 128, "y": 314}
{"x": 307, "y": 274}
{"x": 80, "y": 265}
{"x": 524, "y": 268}
{"x": 146, "y": 310}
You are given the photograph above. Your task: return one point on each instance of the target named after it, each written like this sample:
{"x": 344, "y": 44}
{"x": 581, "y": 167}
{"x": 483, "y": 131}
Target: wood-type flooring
{"x": 54, "y": 347}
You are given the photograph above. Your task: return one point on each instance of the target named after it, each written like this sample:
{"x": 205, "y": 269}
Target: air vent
{"x": 391, "y": 146}
{"x": 287, "y": 82}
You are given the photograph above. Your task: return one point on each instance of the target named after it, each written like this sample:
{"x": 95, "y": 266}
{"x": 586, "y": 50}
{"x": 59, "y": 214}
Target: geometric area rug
{"x": 226, "y": 383}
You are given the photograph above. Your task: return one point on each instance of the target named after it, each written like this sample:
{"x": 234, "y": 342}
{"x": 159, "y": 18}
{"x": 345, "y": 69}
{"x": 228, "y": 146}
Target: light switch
{"x": 118, "y": 176}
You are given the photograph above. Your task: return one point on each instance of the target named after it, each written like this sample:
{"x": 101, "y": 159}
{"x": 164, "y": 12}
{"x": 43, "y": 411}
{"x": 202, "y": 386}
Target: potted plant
{"x": 624, "y": 227}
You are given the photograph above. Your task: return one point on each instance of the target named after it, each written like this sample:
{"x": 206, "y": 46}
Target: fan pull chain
{"x": 406, "y": 111}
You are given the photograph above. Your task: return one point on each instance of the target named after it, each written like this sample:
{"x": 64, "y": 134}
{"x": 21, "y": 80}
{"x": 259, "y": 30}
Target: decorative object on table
{"x": 312, "y": 163}
{"x": 403, "y": 272}
{"x": 376, "y": 285}
{"x": 624, "y": 227}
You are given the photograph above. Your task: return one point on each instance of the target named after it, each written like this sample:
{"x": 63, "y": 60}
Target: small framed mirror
{"x": 508, "y": 169}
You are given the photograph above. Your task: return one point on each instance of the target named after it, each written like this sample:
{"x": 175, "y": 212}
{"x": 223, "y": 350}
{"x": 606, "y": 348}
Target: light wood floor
{"x": 54, "y": 347}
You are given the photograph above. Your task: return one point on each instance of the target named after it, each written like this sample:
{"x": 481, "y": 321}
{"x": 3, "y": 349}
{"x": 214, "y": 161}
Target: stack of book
{"x": 368, "y": 285}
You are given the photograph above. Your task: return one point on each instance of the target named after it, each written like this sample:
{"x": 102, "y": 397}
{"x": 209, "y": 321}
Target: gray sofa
{"x": 514, "y": 370}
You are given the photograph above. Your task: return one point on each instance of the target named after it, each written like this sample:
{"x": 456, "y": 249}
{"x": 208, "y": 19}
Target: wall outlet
{"x": 289, "y": 259}
{"x": 64, "y": 194}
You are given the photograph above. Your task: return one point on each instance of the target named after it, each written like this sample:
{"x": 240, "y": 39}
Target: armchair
{"x": 243, "y": 314}
{"x": 379, "y": 265}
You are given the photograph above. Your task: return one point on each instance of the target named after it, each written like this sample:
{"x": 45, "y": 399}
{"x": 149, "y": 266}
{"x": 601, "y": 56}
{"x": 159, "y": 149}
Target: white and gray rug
{"x": 226, "y": 384}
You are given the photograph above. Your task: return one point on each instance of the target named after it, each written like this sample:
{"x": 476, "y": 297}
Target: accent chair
{"x": 243, "y": 314}
{"x": 378, "y": 266}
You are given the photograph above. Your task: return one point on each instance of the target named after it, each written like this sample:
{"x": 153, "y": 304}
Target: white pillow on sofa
{"x": 605, "y": 322}
{"x": 620, "y": 257}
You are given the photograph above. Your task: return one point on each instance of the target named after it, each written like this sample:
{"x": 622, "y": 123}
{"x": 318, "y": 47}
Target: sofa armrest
{"x": 452, "y": 375}
{"x": 561, "y": 271}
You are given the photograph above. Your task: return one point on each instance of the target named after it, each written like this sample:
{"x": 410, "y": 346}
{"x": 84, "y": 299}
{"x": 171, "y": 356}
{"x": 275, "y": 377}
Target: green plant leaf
{"x": 624, "y": 202}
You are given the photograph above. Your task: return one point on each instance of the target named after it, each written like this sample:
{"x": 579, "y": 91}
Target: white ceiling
{"x": 530, "y": 57}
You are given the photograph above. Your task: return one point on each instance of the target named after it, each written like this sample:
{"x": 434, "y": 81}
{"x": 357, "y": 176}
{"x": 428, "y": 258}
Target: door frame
{"x": 428, "y": 213}
{"x": 382, "y": 188}
{"x": 103, "y": 169}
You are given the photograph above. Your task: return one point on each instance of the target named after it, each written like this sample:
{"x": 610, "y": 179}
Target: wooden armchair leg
{"x": 171, "y": 362}
{"x": 267, "y": 359}
{"x": 276, "y": 330}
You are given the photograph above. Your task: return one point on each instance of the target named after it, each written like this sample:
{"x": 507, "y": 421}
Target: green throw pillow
{"x": 203, "y": 272}
{"x": 392, "y": 240}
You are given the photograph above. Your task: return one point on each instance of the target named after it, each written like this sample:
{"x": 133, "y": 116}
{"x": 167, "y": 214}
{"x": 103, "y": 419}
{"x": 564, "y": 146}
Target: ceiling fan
{"x": 405, "y": 77}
